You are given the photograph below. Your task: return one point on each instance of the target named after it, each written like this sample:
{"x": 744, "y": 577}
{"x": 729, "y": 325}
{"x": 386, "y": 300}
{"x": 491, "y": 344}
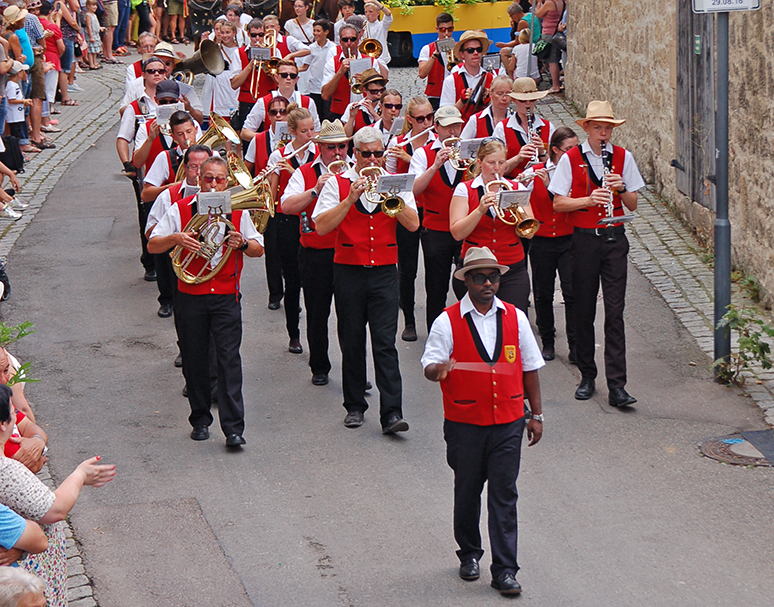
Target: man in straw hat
{"x": 316, "y": 254}
{"x": 598, "y": 251}
{"x": 483, "y": 353}
{"x": 365, "y": 111}
{"x": 365, "y": 282}
{"x": 525, "y": 134}
{"x": 458, "y": 87}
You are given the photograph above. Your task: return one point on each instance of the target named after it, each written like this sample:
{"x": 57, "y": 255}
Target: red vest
{"x": 552, "y": 224}
{"x": 312, "y": 240}
{"x": 282, "y": 46}
{"x": 584, "y": 182}
{"x": 436, "y": 76}
{"x": 176, "y": 192}
{"x": 484, "y": 398}
{"x": 403, "y": 167}
{"x": 461, "y": 83}
{"x": 226, "y": 281}
{"x": 284, "y": 177}
{"x": 485, "y": 125}
{"x": 363, "y": 118}
{"x": 137, "y": 65}
{"x": 158, "y": 145}
{"x": 341, "y": 96}
{"x": 172, "y": 167}
{"x": 262, "y": 151}
{"x": 490, "y": 232}
{"x": 262, "y": 83}
{"x": 437, "y": 196}
{"x": 514, "y": 141}
{"x": 364, "y": 239}
{"x": 264, "y": 126}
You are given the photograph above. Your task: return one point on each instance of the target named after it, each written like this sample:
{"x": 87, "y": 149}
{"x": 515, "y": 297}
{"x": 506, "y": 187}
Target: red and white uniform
{"x": 256, "y": 119}
{"x": 515, "y": 136}
{"x": 343, "y": 95}
{"x": 436, "y": 198}
{"x": 552, "y": 224}
{"x": 481, "y": 124}
{"x": 305, "y": 178}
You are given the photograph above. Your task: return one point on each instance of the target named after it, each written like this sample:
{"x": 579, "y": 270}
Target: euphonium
{"x": 459, "y": 164}
{"x": 391, "y": 203}
{"x": 514, "y": 215}
{"x": 206, "y": 229}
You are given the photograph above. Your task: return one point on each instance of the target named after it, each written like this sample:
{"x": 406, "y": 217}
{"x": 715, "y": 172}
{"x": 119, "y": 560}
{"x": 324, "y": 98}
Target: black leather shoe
{"x": 506, "y": 583}
{"x": 150, "y": 276}
{"x": 409, "y": 333}
{"x": 295, "y": 347}
{"x": 469, "y": 570}
{"x": 274, "y": 305}
{"x": 354, "y": 419}
{"x": 320, "y": 379}
{"x": 548, "y": 352}
{"x": 235, "y": 440}
{"x": 165, "y": 310}
{"x": 395, "y": 423}
{"x": 620, "y": 398}
{"x": 200, "y": 433}
{"x": 585, "y": 389}
{"x": 179, "y": 360}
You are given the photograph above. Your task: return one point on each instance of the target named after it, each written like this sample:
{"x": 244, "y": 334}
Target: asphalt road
{"x": 617, "y": 508}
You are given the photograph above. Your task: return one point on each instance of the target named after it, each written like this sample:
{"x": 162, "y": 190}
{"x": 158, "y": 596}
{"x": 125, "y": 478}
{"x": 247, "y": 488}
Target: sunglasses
{"x": 446, "y": 30}
{"x": 286, "y": 75}
{"x": 166, "y": 101}
{"x": 375, "y": 91}
{"x": 219, "y": 181}
{"x": 158, "y": 71}
{"x": 277, "y": 112}
{"x": 336, "y": 146}
{"x": 480, "y": 279}
{"x": 353, "y": 39}
{"x": 257, "y": 35}
{"x": 428, "y": 118}
{"x": 473, "y": 49}
{"x": 393, "y": 106}
{"x": 367, "y": 154}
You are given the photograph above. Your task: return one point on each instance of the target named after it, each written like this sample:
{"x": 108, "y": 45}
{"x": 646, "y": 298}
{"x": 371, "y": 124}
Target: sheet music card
{"x": 510, "y": 198}
{"x": 358, "y": 66}
{"x": 260, "y": 53}
{"x": 393, "y": 184}
{"x": 164, "y": 112}
{"x": 281, "y": 130}
{"x": 469, "y": 147}
{"x": 397, "y": 125}
{"x": 213, "y": 203}
{"x": 491, "y": 63}
{"x": 445, "y": 45}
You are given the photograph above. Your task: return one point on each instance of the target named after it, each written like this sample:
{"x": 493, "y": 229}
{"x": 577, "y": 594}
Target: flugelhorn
{"x": 459, "y": 164}
{"x": 391, "y": 203}
{"x": 337, "y": 167}
{"x": 513, "y": 215}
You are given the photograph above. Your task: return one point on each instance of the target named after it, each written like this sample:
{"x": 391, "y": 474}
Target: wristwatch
{"x": 623, "y": 190}
{"x": 314, "y": 193}
{"x": 538, "y": 417}
{"x": 243, "y": 247}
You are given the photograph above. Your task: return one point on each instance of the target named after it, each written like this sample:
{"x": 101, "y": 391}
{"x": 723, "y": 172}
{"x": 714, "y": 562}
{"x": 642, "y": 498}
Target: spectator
{"x": 550, "y": 14}
{"x": 55, "y": 47}
{"x": 6, "y": 63}
{"x": 70, "y": 33}
{"x": 93, "y": 31}
{"x": 347, "y": 9}
{"x": 111, "y": 21}
{"x": 36, "y": 89}
{"x": 124, "y": 8}
{"x": 21, "y": 51}
{"x": 21, "y": 589}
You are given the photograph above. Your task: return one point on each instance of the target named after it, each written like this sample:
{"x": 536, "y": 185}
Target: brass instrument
{"x": 283, "y": 141}
{"x": 392, "y": 204}
{"x": 514, "y": 215}
{"x": 207, "y": 60}
{"x": 370, "y": 47}
{"x": 270, "y": 67}
{"x": 206, "y": 229}
{"x": 218, "y": 134}
{"x": 459, "y": 164}
{"x": 337, "y": 167}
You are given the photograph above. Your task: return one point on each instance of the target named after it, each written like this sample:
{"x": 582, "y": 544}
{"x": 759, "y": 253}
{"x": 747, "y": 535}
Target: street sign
{"x": 725, "y": 6}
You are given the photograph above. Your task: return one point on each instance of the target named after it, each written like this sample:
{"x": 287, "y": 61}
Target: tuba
{"x": 459, "y": 164}
{"x": 219, "y": 132}
{"x": 391, "y": 203}
{"x": 207, "y": 60}
{"x": 514, "y": 215}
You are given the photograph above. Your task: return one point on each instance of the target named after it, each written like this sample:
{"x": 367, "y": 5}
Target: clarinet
{"x": 607, "y": 168}
{"x": 531, "y": 132}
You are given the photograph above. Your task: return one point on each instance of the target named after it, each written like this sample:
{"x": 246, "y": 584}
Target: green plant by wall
{"x": 407, "y": 6}
{"x": 751, "y": 345}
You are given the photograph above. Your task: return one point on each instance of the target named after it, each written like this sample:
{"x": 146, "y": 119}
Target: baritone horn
{"x": 391, "y": 203}
{"x": 205, "y": 229}
{"x": 514, "y": 215}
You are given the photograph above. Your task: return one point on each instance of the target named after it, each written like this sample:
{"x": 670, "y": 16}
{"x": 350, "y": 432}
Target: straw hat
{"x": 332, "y": 132}
{"x": 525, "y": 89}
{"x": 599, "y": 111}
{"x": 371, "y": 75}
{"x": 479, "y": 258}
{"x": 163, "y": 50}
{"x": 13, "y": 14}
{"x": 472, "y": 35}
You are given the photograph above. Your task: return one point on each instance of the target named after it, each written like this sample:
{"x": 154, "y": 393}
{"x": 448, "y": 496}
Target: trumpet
{"x": 513, "y": 215}
{"x": 459, "y": 164}
{"x": 392, "y": 204}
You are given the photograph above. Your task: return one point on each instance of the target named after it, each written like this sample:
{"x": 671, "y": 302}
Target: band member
{"x": 433, "y": 64}
{"x": 337, "y": 80}
{"x": 582, "y": 188}
{"x": 484, "y": 436}
{"x": 473, "y": 219}
{"x": 286, "y": 78}
{"x": 289, "y": 47}
{"x": 365, "y": 282}
{"x": 146, "y": 42}
{"x": 301, "y": 127}
{"x": 390, "y": 106}
{"x": 462, "y": 89}
{"x": 316, "y": 254}
{"x": 483, "y": 123}
{"x": 376, "y": 29}
{"x": 549, "y": 251}
{"x": 525, "y": 134}
{"x": 434, "y": 186}
{"x": 365, "y": 112}
{"x": 212, "y": 309}
{"x": 218, "y": 94}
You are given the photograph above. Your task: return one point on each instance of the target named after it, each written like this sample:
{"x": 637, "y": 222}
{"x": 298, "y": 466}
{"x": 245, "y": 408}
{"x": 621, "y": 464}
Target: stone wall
{"x": 624, "y": 51}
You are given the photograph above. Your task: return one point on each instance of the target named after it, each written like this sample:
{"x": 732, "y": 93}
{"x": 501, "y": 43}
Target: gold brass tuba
{"x": 459, "y": 164}
{"x": 207, "y": 60}
{"x": 514, "y": 215}
{"x": 391, "y": 203}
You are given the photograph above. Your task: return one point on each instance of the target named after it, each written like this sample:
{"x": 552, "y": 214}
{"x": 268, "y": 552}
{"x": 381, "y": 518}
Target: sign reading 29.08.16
{"x": 725, "y": 6}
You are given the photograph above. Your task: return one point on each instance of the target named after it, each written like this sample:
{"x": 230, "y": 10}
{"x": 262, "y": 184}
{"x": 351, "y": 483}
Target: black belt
{"x": 602, "y": 231}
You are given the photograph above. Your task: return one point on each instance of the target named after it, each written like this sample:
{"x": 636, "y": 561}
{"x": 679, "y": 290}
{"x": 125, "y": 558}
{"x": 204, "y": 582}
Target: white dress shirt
{"x": 250, "y": 153}
{"x": 137, "y": 90}
{"x": 286, "y": 151}
{"x": 142, "y": 136}
{"x": 391, "y": 165}
{"x": 128, "y": 128}
{"x": 164, "y": 201}
{"x": 297, "y": 183}
{"x": 316, "y": 61}
{"x": 449, "y": 92}
{"x": 419, "y": 163}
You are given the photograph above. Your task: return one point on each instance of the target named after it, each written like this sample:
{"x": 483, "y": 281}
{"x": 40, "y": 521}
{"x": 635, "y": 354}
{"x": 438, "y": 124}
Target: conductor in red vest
{"x": 483, "y": 353}
{"x": 365, "y": 282}
{"x": 594, "y": 182}
{"x": 211, "y": 309}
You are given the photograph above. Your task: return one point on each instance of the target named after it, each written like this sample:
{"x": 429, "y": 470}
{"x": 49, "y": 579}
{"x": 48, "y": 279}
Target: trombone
{"x": 392, "y": 204}
{"x": 370, "y": 47}
{"x": 270, "y": 67}
{"x": 514, "y": 215}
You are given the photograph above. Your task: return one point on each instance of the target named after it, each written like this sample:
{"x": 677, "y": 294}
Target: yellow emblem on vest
{"x": 510, "y": 354}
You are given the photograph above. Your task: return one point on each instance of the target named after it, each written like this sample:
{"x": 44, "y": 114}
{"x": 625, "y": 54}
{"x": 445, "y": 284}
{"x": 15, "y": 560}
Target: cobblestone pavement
{"x": 661, "y": 248}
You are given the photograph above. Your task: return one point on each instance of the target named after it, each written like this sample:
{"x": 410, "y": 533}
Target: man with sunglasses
{"x": 316, "y": 253}
{"x": 365, "y": 112}
{"x": 483, "y": 353}
{"x": 458, "y": 87}
{"x": 212, "y": 309}
{"x": 434, "y": 186}
{"x": 365, "y": 282}
{"x": 432, "y": 63}
{"x": 286, "y": 79}
{"x": 336, "y": 86}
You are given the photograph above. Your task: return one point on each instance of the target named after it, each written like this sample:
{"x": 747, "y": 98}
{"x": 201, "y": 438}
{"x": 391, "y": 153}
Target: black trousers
{"x": 317, "y": 280}
{"x": 514, "y": 286}
{"x": 547, "y": 257}
{"x": 201, "y": 318}
{"x": 143, "y": 209}
{"x": 166, "y": 280}
{"x": 490, "y": 454}
{"x": 434, "y": 102}
{"x": 271, "y": 258}
{"x": 408, "y": 260}
{"x": 368, "y": 296}
{"x": 595, "y": 261}
{"x": 441, "y": 252}
{"x": 238, "y": 121}
{"x": 288, "y": 244}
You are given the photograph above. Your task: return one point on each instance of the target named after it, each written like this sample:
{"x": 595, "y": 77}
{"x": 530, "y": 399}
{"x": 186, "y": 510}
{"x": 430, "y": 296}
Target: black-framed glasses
{"x": 393, "y": 106}
{"x": 254, "y": 35}
{"x": 166, "y": 101}
{"x": 218, "y": 180}
{"x": 353, "y": 39}
{"x": 473, "y": 49}
{"x": 286, "y": 75}
{"x": 336, "y": 146}
{"x": 428, "y": 118}
{"x": 281, "y": 112}
{"x": 375, "y": 91}
{"x": 480, "y": 279}
{"x": 367, "y": 153}
{"x": 155, "y": 72}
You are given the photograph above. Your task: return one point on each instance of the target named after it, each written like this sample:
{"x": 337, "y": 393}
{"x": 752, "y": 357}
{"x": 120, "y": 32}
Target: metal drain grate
{"x": 734, "y": 450}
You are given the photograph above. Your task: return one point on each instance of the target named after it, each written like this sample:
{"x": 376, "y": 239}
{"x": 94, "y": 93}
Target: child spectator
{"x": 92, "y": 32}
{"x": 17, "y": 121}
